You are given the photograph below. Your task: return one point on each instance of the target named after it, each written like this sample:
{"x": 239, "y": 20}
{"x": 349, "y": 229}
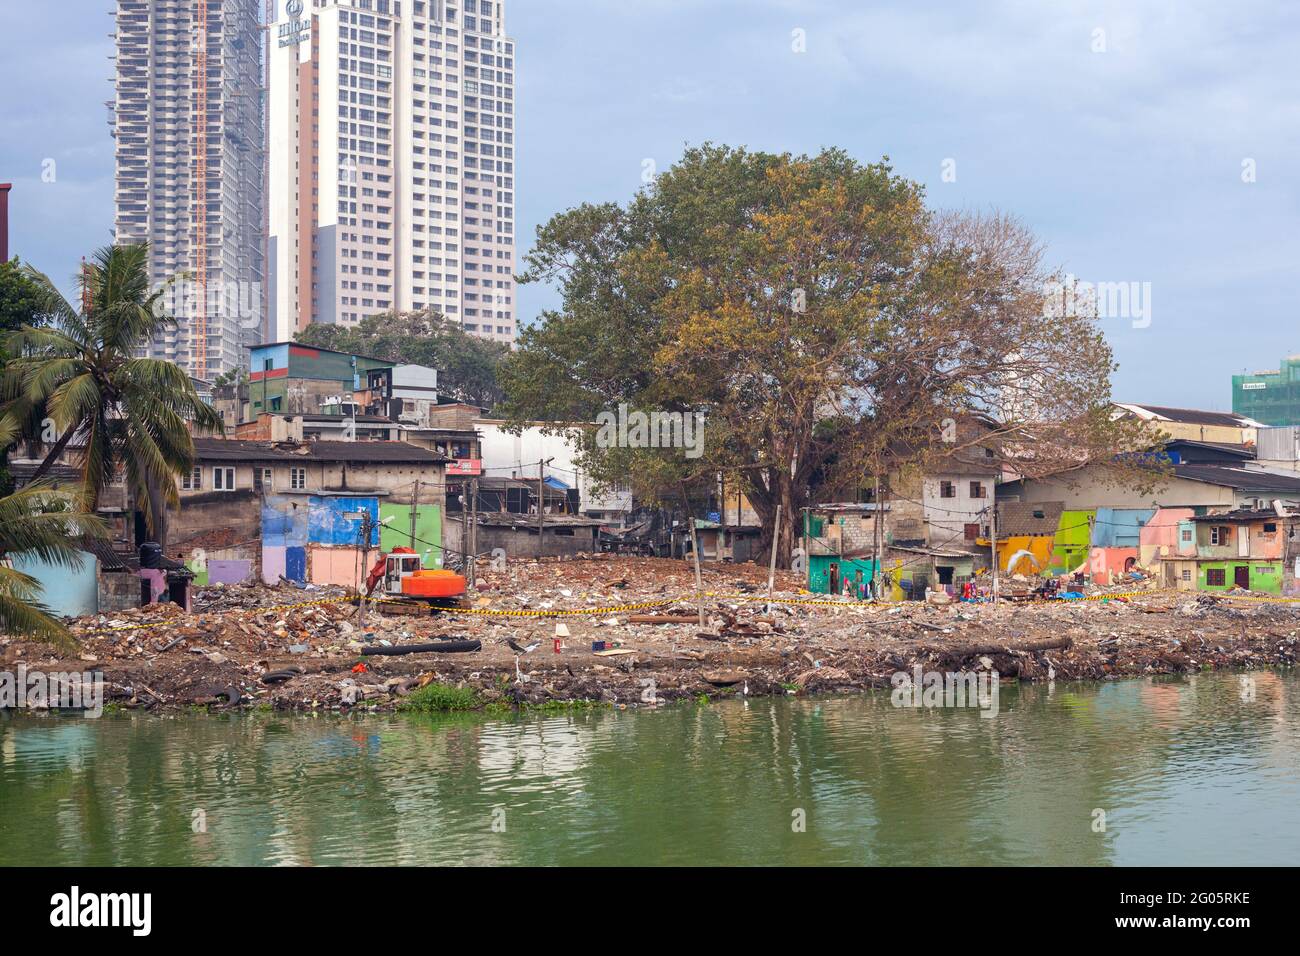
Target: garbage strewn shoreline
{"x": 242, "y": 648}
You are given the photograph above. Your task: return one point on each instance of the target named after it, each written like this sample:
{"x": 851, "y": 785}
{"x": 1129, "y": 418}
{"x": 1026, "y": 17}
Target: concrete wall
{"x": 1265, "y": 576}
{"x": 1087, "y": 488}
{"x": 428, "y": 531}
{"x": 1039, "y": 545}
{"x": 523, "y": 544}
{"x": 342, "y": 566}
{"x": 948, "y": 517}
{"x": 1107, "y": 565}
{"x": 1072, "y": 541}
{"x": 1161, "y": 536}
{"x": 66, "y": 592}
{"x": 237, "y": 515}
{"x": 1120, "y": 527}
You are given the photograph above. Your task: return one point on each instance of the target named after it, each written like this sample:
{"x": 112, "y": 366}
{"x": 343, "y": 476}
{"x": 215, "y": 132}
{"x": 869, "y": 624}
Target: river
{"x": 1186, "y": 771}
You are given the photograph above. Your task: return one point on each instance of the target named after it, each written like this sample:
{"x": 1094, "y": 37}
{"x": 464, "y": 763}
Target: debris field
{"x": 292, "y": 649}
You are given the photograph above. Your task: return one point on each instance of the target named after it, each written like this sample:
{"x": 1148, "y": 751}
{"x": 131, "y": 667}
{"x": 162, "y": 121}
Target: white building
{"x": 506, "y": 455}
{"x": 186, "y": 117}
{"x": 391, "y": 162}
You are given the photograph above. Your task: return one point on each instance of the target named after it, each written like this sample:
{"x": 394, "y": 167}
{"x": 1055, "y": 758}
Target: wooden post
{"x": 807, "y": 555}
{"x": 771, "y": 568}
{"x": 993, "y": 536}
{"x": 877, "y": 538}
{"x": 699, "y": 580}
{"x": 471, "y": 567}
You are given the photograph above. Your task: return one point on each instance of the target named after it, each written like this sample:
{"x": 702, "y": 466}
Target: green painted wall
{"x": 1073, "y": 538}
{"x": 819, "y": 566}
{"x": 1265, "y": 576}
{"x": 428, "y": 531}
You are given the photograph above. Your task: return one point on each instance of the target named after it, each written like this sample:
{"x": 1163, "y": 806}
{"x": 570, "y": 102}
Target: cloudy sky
{"x": 1122, "y": 132}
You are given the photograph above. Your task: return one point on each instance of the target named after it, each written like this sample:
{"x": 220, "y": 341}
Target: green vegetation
{"x": 441, "y": 698}
{"x": 467, "y": 365}
{"x": 81, "y": 374}
{"x": 824, "y": 320}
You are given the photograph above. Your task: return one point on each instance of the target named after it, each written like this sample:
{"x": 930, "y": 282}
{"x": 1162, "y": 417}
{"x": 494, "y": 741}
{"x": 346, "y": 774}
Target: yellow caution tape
{"x": 643, "y": 605}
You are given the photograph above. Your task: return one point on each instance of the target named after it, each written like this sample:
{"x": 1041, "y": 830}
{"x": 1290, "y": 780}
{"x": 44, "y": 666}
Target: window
{"x": 1187, "y": 574}
{"x": 977, "y": 489}
{"x": 297, "y": 478}
{"x": 1220, "y": 534}
{"x": 1270, "y": 527}
{"x": 1216, "y": 577}
{"x": 262, "y": 479}
{"x": 223, "y": 479}
{"x": 194, "y": 480}
{"x": 947, "y": 490}
{"x": 1187, "y": 536}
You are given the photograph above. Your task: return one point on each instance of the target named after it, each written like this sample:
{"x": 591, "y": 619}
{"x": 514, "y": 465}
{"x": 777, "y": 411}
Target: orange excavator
{"x": 404, "y": 578}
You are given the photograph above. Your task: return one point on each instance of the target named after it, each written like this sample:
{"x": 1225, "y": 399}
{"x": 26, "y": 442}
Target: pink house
{"x": 1169, "y": 533}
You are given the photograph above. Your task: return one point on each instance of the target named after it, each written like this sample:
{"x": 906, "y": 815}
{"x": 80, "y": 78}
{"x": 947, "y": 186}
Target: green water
{"x": 1203, "y": 770}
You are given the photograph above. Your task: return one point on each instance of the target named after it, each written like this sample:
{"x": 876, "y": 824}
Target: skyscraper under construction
{"x": 190, "y": 156}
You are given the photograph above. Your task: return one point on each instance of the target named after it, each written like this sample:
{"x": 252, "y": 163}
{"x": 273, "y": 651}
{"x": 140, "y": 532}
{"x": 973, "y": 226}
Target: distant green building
{"x": 1272, "y": 398}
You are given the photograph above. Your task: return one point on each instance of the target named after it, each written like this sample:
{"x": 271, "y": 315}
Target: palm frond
{"x": 23, "y": 614}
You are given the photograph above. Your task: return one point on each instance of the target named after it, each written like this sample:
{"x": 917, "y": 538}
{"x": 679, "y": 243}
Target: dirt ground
{"x": 243, "y": 647}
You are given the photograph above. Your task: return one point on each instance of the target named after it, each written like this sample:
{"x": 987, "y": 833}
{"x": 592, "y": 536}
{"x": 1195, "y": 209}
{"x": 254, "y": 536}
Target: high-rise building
{"x": 190, "y": 156}
{"x": 391, "y": 179}
{"x": 1272, "y": 396}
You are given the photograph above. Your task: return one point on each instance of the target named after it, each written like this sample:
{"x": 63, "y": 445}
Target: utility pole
{"x": 415, "y": 506}
{"x": 541, "y": 506}
{"x": 471, "y": 568}
{"x": 365, "y": 532}
{"x": 993, "y": 536}
{"x": 771, "y": 568}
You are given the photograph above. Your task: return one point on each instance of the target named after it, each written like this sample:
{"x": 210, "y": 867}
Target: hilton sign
{"x": 294, "y": 31}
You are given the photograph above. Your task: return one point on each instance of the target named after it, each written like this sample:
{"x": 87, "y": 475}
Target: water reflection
{"x": 1186, "y": 771}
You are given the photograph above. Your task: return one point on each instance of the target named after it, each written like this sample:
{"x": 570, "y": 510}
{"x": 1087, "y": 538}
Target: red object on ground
{"x": 360, "y": 669}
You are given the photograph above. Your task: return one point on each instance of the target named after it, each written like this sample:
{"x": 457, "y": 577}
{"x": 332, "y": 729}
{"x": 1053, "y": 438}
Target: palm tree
{"x": 82, "y": 369}
{"x": 45, "y": 524}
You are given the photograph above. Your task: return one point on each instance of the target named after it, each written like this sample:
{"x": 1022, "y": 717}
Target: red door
{"x": 1241, "y": 576}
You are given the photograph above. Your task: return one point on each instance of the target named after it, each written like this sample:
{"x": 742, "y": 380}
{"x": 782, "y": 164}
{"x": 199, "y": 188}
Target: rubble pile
{"x": 638, "y": 640}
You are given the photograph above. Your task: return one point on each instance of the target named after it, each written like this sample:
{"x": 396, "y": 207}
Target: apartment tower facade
{"x": 190, "y": 158}
{"x": 391, "y": 156}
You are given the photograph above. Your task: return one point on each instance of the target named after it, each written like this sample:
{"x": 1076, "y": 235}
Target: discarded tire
{"x": 280, "y": 676}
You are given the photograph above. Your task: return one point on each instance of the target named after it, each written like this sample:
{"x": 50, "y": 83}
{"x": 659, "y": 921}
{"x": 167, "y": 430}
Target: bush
{"x": 440, "y": 698}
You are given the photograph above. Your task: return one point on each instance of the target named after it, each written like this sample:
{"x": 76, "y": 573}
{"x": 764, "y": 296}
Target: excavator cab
{"x": 397, "y": 567}
{"x": 398, "y": 575}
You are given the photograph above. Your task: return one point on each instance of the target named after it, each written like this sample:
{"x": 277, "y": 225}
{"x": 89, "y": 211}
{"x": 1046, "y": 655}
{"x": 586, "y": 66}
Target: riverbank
{"x": 290, "y": 649}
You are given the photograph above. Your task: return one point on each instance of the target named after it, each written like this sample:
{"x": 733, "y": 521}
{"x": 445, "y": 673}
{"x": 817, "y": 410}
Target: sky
{"x": 1142, "y": 141}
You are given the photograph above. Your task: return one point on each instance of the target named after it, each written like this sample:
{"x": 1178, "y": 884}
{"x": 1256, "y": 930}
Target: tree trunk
{"x": 54, "y": 454}
{"x": 157, "y": 525}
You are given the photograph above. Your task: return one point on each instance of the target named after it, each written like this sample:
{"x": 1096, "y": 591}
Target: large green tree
{"x": 116, "y": 410}
{"x": 828, "y": 324}
{"x": 467, "y": 364}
